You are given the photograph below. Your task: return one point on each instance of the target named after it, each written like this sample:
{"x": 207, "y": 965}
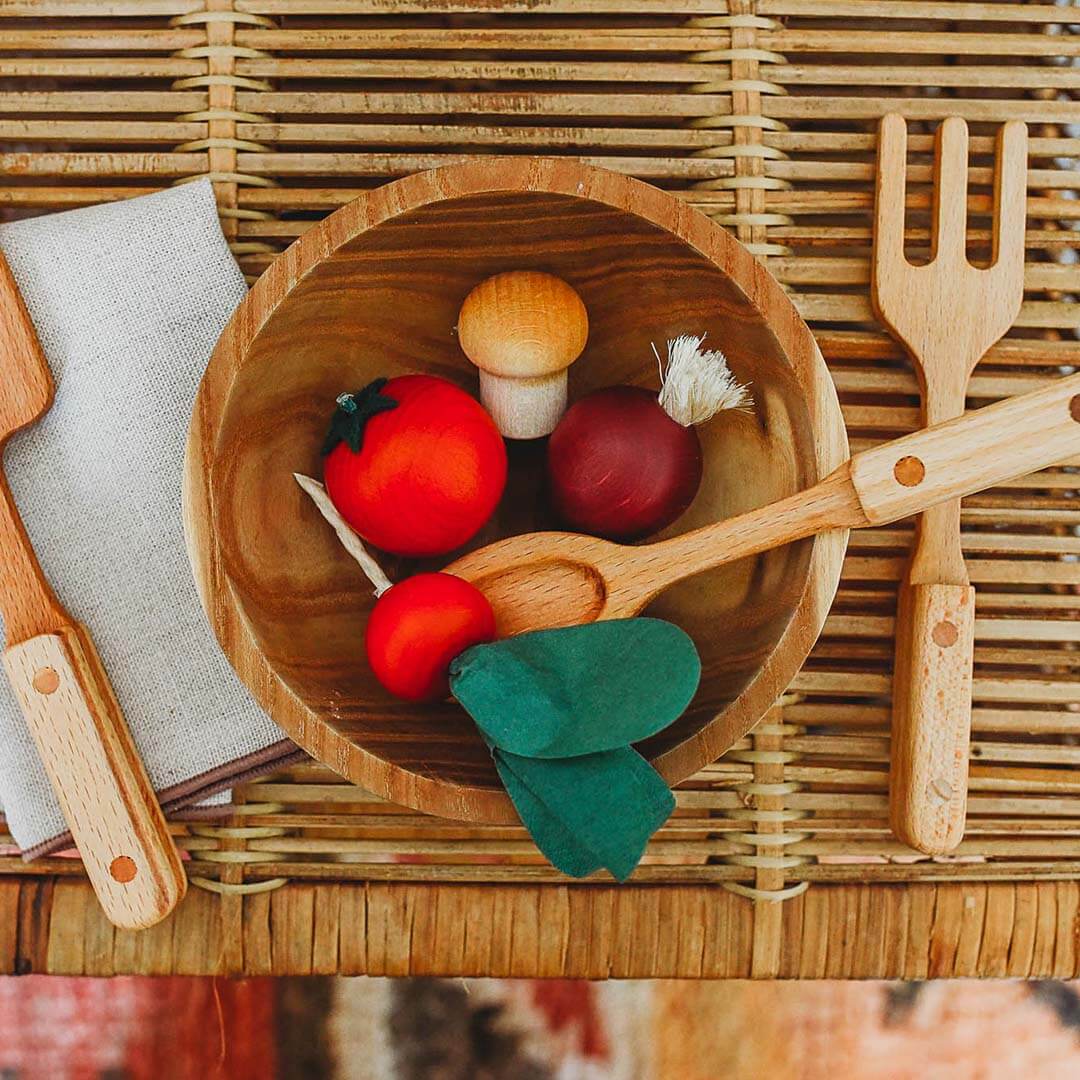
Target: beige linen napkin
{"x": 128, "y": 299}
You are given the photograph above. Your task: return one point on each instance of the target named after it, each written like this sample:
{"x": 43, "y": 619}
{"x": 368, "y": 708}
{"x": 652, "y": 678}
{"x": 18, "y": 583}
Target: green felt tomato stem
{"x": 353, "y": 413}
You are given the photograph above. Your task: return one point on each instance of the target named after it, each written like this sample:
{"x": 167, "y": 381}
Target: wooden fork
{"x": 947, "y": 314}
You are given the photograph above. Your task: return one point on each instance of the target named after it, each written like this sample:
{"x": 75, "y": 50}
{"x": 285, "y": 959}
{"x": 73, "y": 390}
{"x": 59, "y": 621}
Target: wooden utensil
{"x": 947, "y": 314}
{"x": 559, "y": 579}
{"x": 65, "y": 695}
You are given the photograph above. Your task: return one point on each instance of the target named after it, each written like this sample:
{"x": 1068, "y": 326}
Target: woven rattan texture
{"x": 760, "y": 113}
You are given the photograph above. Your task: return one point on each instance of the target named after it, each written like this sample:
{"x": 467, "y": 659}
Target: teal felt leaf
{"x": 551, "y": 834}
{"x": 352, "y": 414}
{"x": 588, "y": 811}
{"x": 580, "y": 689}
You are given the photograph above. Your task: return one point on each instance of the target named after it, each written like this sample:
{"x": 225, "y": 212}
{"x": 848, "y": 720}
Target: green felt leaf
{"x": 552, "y": 835}
{"x": 588, "y": 811}
{"x": 580, "y": 689}
{"x": 352, "y": 414}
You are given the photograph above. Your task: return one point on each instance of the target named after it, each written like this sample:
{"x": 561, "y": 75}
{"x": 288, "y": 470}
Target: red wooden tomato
{"x": 418, "y": 626}
{"x": 414, "y": 464}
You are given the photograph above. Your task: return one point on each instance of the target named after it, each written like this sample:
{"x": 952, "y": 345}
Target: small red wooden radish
{"x": 624, "y": 463}
{"x": 418, "y": 625}
{"x": 523, "y": 329}
{"x": 414, "y": 464}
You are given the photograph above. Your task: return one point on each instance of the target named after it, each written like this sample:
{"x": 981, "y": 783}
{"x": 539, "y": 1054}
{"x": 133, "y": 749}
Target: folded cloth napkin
{"x": 128, "y": 299}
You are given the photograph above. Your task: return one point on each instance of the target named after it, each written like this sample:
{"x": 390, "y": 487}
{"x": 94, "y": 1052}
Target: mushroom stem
{"x": 524, "y": 408}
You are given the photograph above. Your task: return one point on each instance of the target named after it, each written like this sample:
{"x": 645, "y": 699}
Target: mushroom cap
{"x": 523, "y": 324}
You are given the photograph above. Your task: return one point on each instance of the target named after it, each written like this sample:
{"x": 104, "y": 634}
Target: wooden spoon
{"x": 65, "y": 695}
{"x": 559, "y": 579}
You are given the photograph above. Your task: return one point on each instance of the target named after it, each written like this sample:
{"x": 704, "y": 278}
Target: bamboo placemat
{"x": 762, "y": 114}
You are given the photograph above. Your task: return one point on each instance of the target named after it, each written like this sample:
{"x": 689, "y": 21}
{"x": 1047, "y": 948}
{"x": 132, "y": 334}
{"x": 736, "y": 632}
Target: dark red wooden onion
{"x": 620, "y": 467}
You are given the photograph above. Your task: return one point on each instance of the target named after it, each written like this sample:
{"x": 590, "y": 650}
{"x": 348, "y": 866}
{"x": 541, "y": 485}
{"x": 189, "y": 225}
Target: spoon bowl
{"x": 532, "y": 585}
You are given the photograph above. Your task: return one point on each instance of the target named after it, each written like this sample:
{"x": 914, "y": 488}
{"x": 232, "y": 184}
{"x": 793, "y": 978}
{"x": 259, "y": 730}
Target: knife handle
{"x": 98, "y": 777}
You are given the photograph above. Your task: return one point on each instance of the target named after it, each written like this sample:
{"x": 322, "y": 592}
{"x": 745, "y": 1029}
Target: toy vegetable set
{"x": 501, "y": 668}
{"x": 414, "y": 466}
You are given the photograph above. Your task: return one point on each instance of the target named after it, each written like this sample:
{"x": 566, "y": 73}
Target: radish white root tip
{"x": 697, "y": 383}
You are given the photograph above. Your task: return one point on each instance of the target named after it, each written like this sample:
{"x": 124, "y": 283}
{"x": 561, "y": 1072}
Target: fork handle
{"x": 931, "y": 717}
{"x": 935, "y": 626}
{"x": 934, "y": 659}
{"x": 932, "y": 673}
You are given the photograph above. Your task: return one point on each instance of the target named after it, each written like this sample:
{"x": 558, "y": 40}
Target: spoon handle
{"x": 61, "y": 686}
{"x": 988, "y": 446}
{"x": 97, "y": 775}
{"x": 971, "y": 453}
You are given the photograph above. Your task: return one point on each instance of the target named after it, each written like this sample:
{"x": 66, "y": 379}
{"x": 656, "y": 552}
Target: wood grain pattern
{"x": 65, "y": 695}
{"x": 284, "y": 600}
{"x": 947, "y": 313}
{"x": 27, "y": 601}
{"x": 932, "y": 682}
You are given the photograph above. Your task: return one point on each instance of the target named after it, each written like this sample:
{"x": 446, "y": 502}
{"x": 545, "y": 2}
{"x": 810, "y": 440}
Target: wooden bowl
{"x": 375, "y": 289}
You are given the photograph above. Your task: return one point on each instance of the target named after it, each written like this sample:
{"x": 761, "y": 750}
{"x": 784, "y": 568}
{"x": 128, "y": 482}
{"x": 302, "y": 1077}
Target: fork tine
{"x": 1010, "y": 195}
{"x": 950, "y": 191}
{"x": 889, "y": 197}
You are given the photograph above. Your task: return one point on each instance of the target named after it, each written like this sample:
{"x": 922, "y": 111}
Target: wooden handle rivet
{"x": 1074, "y": 408}
{"x": 945, "y": 633}
{"x": 123, "y": 869}
{"x": 45, "y": 680}
{"x": 909, "y": 471}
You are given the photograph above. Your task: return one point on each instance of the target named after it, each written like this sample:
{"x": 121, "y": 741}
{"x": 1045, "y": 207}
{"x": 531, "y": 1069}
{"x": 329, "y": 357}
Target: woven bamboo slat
{"x": 761, "y": 114}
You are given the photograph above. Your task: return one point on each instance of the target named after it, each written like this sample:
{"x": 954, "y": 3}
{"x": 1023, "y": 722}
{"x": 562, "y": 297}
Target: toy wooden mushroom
{"x": 523, "y": 329}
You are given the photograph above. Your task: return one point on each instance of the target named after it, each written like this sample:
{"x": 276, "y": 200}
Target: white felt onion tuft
{"x": 348, "y": 536}
{"x": 697, "y": 383}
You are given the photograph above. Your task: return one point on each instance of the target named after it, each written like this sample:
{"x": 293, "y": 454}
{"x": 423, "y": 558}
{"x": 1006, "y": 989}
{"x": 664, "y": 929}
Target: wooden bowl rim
{"x": 510, "y": 175}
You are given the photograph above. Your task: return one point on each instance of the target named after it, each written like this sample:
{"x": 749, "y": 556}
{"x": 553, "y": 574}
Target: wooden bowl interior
{"x": 386, "y": 303}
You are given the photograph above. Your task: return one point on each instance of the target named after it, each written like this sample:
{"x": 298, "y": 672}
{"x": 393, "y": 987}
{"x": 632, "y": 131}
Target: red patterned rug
{"x": 439, "y": 1029}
